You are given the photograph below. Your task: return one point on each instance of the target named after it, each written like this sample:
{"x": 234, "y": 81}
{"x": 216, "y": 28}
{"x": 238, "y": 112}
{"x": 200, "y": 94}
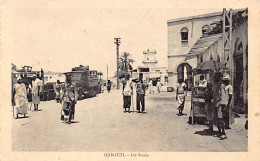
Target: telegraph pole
{"x": 107, "y": 72}
{"x": 117, "y": 42}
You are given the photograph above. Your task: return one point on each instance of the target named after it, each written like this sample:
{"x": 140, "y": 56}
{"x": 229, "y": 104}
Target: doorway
{"x": 184, "y": 72}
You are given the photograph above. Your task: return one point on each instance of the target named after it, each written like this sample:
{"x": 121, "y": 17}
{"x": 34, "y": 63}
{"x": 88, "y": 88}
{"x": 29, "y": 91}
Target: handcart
{"x": 207, "y": 68}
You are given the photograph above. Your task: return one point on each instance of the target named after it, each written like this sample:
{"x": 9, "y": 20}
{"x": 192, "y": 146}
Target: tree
{"x": 125, "y": 63}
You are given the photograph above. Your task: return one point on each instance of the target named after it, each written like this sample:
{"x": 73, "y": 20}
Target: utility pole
{"x": 107, "y": 72}
{"x": 117, "y": 42}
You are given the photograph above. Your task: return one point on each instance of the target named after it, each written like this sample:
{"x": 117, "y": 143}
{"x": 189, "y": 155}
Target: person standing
{"x": 20, "y": 98}
{"x": 36, "y": 90}
{"x": 151, "y": 86}
{"x": 108, "y": 86}
{"x": 57, "y": 89}
{"x": 158, "y": 85}
{"x": 140, "y": 93}
{"x": 127, "y": 92}
{"x": 180, "y": 95}
{"x": 227, "y": 97}
{"x": 218, "y": 105}
{"x": 69, "y": 99}
{"x": 208, "y": 106}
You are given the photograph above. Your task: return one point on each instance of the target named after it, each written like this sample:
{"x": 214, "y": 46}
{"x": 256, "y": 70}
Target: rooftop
{"x": 203, "y": 44}
{"x": 200, "y": 16}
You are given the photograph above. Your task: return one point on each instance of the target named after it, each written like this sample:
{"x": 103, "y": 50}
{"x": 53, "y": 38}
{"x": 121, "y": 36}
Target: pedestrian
{"x": 69, "y": 99}
{"x": 20, "y": 99}
{"x": 158, "y": 85}
{"x": 208, "y": 96}
{"x": 227, "y": 97}
{"x": 217, "y": 104}
{"x": 36, "y": 90}
{"x": 108, "y": 86}
{"x": 151, "y": 86}
{"x": 180, "y": 95}
{"x": 57, "y": 89}
{"x": 141, "y": 87}
{"x": 127, "y": 92}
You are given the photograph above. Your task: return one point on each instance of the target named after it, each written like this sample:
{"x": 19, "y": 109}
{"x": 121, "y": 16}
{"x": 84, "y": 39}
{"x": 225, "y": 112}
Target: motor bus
{"x": 86, "y": 80}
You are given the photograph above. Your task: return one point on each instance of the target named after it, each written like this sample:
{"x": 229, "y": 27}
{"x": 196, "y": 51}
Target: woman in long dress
{"x": 20, "y": 99}
{"x": 36, "y": 89}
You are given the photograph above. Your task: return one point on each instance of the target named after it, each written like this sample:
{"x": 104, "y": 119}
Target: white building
{"x": 182, "y": 35}
{"x": 150, "y": 70}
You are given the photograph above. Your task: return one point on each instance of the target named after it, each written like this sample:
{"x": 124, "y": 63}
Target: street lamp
{"x": 117, "y": 42}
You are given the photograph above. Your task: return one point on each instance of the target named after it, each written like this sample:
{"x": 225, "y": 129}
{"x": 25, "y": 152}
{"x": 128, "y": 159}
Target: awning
{"x": 202, "y": 45}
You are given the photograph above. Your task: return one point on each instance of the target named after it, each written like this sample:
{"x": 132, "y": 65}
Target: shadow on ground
{"x": 206, "y": 132}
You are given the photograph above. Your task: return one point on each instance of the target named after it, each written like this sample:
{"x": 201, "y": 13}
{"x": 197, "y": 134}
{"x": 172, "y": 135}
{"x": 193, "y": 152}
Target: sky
{"x": 58, "y": 39}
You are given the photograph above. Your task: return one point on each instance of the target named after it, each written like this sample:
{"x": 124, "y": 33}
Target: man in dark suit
{"x": 140, "y": 93}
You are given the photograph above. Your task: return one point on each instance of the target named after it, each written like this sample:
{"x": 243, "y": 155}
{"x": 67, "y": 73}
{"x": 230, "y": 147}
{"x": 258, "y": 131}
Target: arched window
{"x": 184, "y": 35}
{"x": 205, "y": 29}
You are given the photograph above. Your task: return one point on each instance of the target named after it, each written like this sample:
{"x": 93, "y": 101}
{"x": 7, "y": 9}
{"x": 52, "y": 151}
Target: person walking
{"x": 180, "y": 95}
{"x": 127, "y": 92}
{"x": 36, "y": 90}
{"x": 140, "y": 93}
{"x": 20, "y": 101}
{"x": 218, "y": 105}
{"x": 69, "y": 99}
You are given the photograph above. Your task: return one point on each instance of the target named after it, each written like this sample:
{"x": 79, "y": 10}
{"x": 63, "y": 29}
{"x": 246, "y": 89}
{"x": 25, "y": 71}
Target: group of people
{"x": 20, "y": 92}
{"x": 218, "y": 96}
{"x": 127, "y": 92}
{"x": 158, "y": 86}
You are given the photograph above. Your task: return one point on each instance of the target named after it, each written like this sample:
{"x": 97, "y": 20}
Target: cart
{"x": 207, "y": 68}
{"x": 198, "y": 111}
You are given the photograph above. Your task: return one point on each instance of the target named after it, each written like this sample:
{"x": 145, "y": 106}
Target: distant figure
{"x": 20, "y": 99}
{"x": 151, "y": 87}
{"x": 36, "y": 90}
{"x": 180, "y": 95}
{"x": 158, "y": 86}
{"x": 58, "y": 91}
{"x": 108, "y": 86}
{"x": 69, "y": 99}
{"x": 127, "y": 92}
{"x": 140, "y": 92}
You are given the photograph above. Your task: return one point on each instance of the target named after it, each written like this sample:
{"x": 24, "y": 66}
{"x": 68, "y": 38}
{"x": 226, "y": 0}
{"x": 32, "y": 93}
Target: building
{"x": 182, "y": 35}
{"x": 52, "y": 77}
{"x": 150, "y": 70}
{"x": 234, "y": 54}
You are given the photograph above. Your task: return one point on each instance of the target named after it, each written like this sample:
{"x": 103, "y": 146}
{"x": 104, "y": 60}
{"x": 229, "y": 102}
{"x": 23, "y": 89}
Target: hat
{"x": 226, "y": 77}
